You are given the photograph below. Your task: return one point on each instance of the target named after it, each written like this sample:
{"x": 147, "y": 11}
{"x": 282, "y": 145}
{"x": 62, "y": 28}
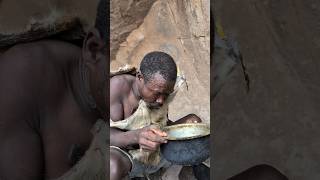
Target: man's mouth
{"x": 154, "y": 106}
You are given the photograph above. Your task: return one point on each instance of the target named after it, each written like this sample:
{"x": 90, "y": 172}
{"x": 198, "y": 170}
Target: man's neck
{"x": 135, "y": 91}
{"x": 80, "y": 86}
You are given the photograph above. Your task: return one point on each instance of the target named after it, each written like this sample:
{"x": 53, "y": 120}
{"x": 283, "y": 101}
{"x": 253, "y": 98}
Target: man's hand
{"x": 150, "y": 137}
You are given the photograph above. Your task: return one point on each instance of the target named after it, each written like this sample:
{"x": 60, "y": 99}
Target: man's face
{"x": 156, "y": 91}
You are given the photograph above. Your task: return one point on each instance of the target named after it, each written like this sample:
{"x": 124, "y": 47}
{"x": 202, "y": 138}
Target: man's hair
{"x": 102, "y": 19}
{"x": 158, "y": 62}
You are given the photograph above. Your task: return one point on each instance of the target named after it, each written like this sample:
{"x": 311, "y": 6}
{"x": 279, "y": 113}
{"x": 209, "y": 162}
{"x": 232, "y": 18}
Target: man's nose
{"x": 160, "y": 100}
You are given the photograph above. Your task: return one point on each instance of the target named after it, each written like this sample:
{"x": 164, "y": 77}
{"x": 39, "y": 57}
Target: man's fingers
{"x": 148, "y": 145}
{"x": 150, "y": 138}
{"x": 147, "y": 148}
{"x": 159, "y": 132}
{"x": 156, "y": 138}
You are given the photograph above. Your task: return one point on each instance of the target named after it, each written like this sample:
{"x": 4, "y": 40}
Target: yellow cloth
{"x": 143, "y": 117}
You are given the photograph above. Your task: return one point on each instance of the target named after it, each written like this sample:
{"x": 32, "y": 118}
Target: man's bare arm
{"x": 148, "y": 138}
{"x": 119, "y": 138}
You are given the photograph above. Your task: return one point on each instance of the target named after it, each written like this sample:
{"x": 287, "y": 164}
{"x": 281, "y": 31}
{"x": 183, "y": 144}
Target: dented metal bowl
{"x": 188, "y": 144}
{"x": 187, "y": 131}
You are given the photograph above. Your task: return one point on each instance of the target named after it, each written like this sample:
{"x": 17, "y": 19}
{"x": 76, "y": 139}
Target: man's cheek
{"x": 148, "y": 100}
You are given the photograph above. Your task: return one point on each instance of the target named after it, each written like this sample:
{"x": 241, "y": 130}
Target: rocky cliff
{"x": 180, "y": 28}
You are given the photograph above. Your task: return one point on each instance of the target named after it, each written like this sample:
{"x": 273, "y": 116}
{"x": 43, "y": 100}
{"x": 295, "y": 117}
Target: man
{"x": 133, "y": 140}
{"x": 51, "y": 95}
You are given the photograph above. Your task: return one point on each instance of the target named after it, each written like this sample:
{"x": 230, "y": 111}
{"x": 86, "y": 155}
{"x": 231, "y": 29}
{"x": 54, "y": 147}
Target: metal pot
{"x": 188, "y": 144}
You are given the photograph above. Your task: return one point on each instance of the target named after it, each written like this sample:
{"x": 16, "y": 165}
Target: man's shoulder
{"x": 28, "y": 63}
{"x": 120, "y": 86}
{"x": 123, "y": 81}
{"x": 40, "y": 52}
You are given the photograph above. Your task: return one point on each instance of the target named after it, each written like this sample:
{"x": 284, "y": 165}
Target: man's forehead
{"x": 158, "y": 77}
{"x": 160, "y": 85}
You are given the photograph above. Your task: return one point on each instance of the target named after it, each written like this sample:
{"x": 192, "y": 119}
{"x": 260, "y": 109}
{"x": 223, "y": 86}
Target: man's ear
{"x": 92, "y": 46}
{"x": 140, "y": 77}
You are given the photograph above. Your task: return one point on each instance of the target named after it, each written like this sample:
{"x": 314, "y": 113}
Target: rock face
{"x": 277, "y": 121}
{"x": 180, "y": 28}
{"x": 125, "y": 16}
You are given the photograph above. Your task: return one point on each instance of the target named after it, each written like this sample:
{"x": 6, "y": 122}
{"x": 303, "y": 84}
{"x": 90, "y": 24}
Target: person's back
{"x": 41, "y": 117}
{"x": 51, "y": 95}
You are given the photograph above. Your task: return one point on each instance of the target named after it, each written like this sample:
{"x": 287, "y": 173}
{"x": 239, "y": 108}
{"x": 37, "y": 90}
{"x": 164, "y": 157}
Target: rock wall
{"x": 277, "y": 121}
{"x": 181, "y": 29}
{"x": 125, "y": 16}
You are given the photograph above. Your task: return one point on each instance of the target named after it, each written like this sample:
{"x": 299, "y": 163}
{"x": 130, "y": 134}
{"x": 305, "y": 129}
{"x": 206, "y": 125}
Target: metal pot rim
{"x": 187, "y": 131}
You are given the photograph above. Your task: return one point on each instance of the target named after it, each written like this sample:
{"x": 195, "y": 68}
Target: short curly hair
{"x": 158, "y": 62}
